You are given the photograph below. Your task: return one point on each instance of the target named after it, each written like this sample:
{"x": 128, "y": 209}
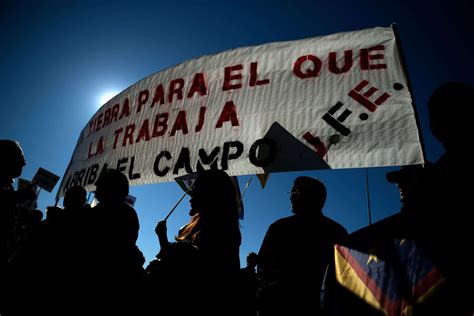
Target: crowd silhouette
{"x": 85, "y": 260}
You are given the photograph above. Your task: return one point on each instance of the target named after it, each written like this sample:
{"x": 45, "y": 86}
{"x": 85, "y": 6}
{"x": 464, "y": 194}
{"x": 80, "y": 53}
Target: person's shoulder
{"x": 122, "y": 206}
{"x": 284, "y": 221}
{"x": 332, "y": 225}
{"x": 284, "y": 224}
{"x": 120, "y": 209}
{"x": 130, "y": 210}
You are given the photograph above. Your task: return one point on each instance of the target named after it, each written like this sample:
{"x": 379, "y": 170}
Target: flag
{"x": 23, "y": 183}
{"x": 130, "y": 200}
{"x": 389, "y": 274}
{"x": 45, "y": 179}
{"x": 186, "y": 182}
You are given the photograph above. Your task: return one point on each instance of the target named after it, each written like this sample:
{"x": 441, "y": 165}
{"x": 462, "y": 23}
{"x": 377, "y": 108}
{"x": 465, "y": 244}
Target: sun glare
{"x": 106, "y": 97}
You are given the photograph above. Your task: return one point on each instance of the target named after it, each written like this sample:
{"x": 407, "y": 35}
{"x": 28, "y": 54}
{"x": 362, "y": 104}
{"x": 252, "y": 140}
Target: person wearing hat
{"x": 443, "y": 224}
{"x": 406, "y": 179}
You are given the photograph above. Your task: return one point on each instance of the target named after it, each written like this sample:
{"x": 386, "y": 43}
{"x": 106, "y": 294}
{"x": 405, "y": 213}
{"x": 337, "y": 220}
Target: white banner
{"x": 337, "y": 101}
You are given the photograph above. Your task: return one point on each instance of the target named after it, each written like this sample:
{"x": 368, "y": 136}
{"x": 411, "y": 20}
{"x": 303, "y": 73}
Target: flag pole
{"x": 368, "y": 195}
{"x": 174, "y": 207}
{"x": 246, "y": 187}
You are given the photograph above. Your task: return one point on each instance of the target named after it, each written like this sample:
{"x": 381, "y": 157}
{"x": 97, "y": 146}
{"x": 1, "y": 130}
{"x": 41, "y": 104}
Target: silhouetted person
{"x": 296, "y": 253}
{"x": 66, "y": 247}
{"x": 408, "y": 180}
{"x": 54, "y": 255}
{"x": 75, "y": 199}
{"x": 16, "y": 221}
{"x": 380, "y": 269}
{"x": 12, "y": 162}
{"x": 113, "y": 262}
{"x": 214, "y": 233}
{"x": 248, "y": 281}
{"x": 443, "y": 214}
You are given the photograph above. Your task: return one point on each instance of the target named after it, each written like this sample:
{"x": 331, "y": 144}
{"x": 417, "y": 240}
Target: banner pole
{"x": 410, "y": 89}
{"x": 368, "y": 195}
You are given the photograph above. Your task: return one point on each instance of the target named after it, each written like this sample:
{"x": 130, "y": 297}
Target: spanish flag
{"x": 391, "y": 275}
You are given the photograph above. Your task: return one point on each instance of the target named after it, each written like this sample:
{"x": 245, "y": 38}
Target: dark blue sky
{"x": 58, "y": 57}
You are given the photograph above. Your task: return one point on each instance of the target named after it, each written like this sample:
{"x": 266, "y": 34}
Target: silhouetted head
{"x": 34, "y": 216}
{"x": 407, "y": 179}
{"x": 75, "y": 197}
{"x": 112, "y": 186}
{"x": 404, "y": 173}
{"x": 54, "y": 213}
{"x": 213, "y": 189}
{"x": 214, "y": 204}
{"x": 450, "y": 112}
{"x": 12, "y": 160}
{"x": 252, "y": 260}
{"x": 308, "y": 196}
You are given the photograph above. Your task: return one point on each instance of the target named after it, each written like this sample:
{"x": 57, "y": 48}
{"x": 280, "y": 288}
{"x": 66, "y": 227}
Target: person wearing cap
{"x": 406, "y": 179}
{"x": 442, "y": 217}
